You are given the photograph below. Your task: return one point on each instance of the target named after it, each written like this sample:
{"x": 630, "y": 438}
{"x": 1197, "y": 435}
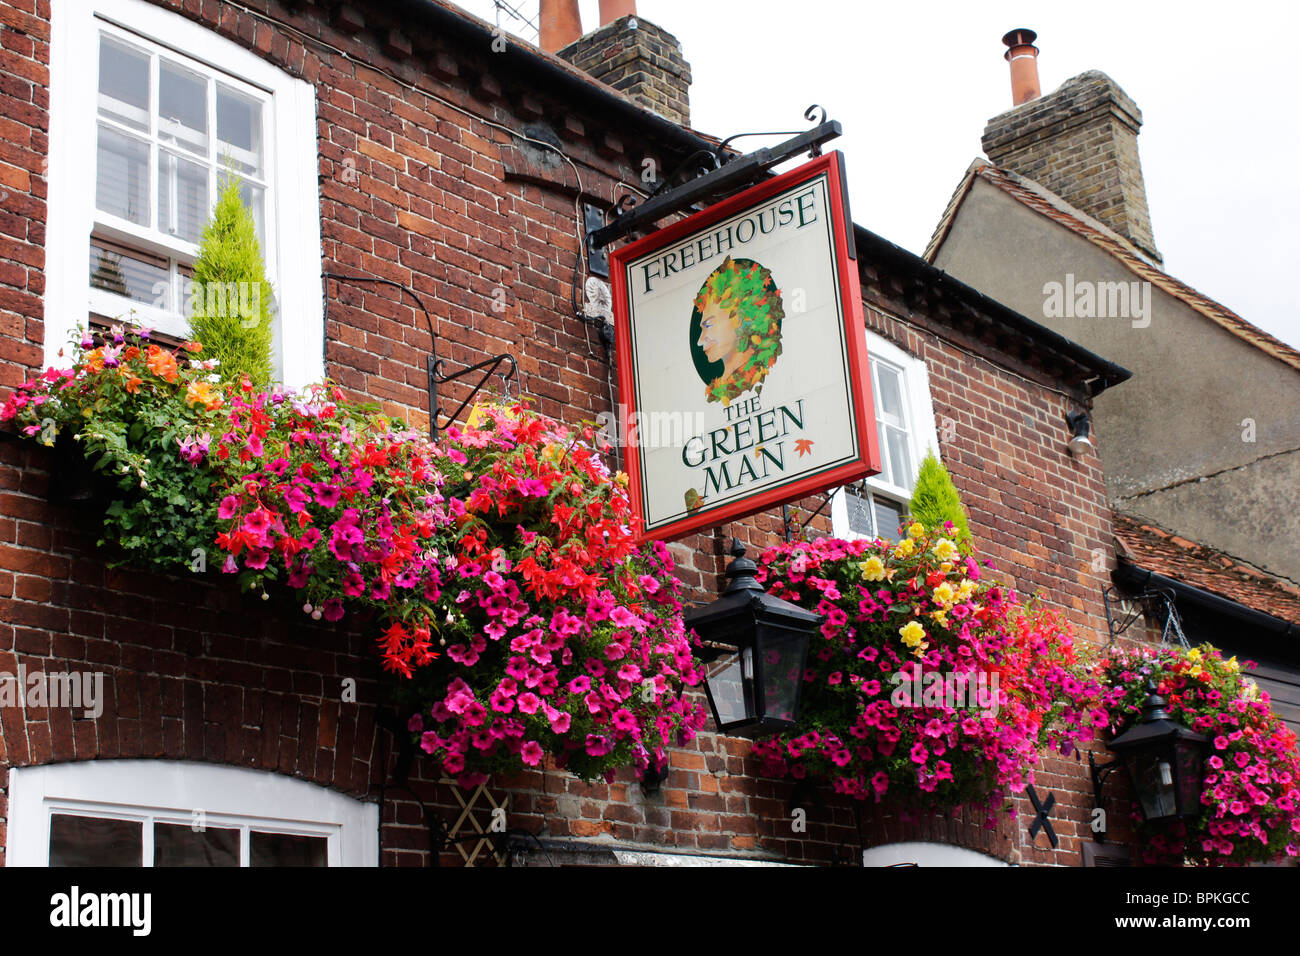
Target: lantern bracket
{"x": 1099, "y": 773}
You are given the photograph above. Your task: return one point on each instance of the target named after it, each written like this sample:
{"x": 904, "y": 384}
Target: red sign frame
{"x": 850, "y": 296}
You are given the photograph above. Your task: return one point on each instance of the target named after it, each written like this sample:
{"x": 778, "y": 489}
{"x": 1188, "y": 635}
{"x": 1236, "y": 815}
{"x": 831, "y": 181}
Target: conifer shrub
{"x": 228, "y": 300}
{"x": 935, "y": 499}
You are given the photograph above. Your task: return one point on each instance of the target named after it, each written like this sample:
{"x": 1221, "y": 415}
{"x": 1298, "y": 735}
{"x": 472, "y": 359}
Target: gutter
{"x": 1141, "y": 579}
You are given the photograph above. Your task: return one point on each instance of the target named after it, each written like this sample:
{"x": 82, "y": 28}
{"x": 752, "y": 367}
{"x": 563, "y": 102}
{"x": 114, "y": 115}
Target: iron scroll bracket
{"x": 434, "y": 366}
{"x": 718, "y": 174}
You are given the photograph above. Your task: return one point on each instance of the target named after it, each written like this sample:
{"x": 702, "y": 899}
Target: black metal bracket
{"x": 724, "y": 173}
{"x": 1148, "y": 602}
{"x": 433, "y": 364}
{"x": 1099, "y": 775}
{"x": 788, "y": 515}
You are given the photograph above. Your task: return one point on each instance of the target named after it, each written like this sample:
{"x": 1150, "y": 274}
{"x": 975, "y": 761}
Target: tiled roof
{"x": 1031, "y": 194}
{"x": 1152, "y": 548}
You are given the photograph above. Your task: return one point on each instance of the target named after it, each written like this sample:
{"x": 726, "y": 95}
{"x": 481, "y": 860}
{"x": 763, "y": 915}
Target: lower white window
{"x": 900, "y": 391}
{"x": 173, "y": 813}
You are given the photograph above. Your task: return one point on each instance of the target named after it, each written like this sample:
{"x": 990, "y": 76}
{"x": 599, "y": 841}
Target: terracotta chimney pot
{"x": 560, "y": 24}
{"x": 1023, "y": 57}
{"x": 611, "y": 10}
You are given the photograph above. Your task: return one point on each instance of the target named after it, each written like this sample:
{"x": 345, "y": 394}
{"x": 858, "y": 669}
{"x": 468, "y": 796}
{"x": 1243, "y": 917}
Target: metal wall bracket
{"x": 434, "y": 365}
{"x": 728, "y": 175}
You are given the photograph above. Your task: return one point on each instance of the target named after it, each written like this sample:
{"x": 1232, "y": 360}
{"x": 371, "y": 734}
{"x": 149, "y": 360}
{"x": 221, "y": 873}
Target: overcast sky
{"x": 914, "y": 84}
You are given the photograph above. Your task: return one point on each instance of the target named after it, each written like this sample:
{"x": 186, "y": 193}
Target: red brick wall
{"x": 446, "y": 202}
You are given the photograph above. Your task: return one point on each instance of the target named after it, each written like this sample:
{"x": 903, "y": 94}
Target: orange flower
{"x": 200, "y": 393}
{"x": 192, "y": 346}
{"x": 161, "y": 363}
{"x": 132, "y": 382}
{"x": 94, "y": 361}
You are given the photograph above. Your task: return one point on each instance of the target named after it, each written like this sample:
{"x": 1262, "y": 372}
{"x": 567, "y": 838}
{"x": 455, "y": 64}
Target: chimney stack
{"x": 1079, "y": 142}
{"x": 636, "y": 58}
{"x": 1023, "y": 57}
{"x": 559, "y": 24}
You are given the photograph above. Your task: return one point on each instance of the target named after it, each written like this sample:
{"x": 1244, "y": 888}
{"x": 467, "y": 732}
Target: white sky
{"x": 914, "y": 84}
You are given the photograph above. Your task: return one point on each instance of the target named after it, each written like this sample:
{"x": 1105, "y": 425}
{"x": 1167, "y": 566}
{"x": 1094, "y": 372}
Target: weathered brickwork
{"x": 1080, "y": 142}
{"x": 640, "y": 59}
{"x": 434, "y": 174}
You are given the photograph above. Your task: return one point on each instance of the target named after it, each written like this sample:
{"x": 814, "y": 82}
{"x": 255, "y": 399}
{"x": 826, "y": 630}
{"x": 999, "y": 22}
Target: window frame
{"x": 168, "y": 791}
{"x": 292, "y": 208}
{"x": 922, "y": 433}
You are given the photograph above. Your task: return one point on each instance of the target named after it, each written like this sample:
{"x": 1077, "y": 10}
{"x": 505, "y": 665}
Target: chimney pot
{"x": 611, "y": 10}
{"x": 1023, "y": 57}
{"x": 560, "y": 24}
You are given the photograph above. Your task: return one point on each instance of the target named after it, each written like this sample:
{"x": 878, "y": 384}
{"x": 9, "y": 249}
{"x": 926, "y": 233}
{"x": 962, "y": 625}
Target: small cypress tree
{"x": 935, "y": 499}
{"x": 229, "y": 299}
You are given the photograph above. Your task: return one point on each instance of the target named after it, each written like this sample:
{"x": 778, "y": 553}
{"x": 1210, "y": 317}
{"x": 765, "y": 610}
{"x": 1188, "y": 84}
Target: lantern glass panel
{"x": 782, "y": 653}
{"x": 1153, "y": 780}
{"x": 731, "y": 688}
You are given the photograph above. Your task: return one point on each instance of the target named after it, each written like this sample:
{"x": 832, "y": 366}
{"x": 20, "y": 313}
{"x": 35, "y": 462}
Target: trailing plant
{"x": 229, "y": 301}
{"x": 1251, "y": 786}
{"x": 500, "y": 564}
{"x": 927, "y": 686}
{"x": 143, "y": 416}
{"x": 935, "y": 499}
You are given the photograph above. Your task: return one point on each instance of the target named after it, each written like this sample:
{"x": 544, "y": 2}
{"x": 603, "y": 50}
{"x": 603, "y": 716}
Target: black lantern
{"x": 755, "y": 649}
{"x": 1164, "y": 762}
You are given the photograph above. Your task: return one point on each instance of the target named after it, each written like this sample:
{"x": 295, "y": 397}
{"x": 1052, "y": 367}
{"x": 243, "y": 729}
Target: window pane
{"x": 122, "y": 176}
{"x": 123, "y": 83}
{"x": 91, "y": 841}
{"x": 183, "y": 107}
{"x": 255, "y": 199}
{"x": 122, "y": 271}
{"x": 286, "y": 849}
{"x": 889, "y": 515}
{"x": 182, "y": 196}
{"x": 891, "y": 396}
{"x": 239, "y": 130}
{"x": 178, "y": 844}
{"x": 859, "y": 513}
{"x": 900, "y": 458}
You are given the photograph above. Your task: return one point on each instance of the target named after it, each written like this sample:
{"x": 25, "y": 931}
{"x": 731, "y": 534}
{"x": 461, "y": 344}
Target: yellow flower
{"x": 1232, "y": 663}
{"x": 944, "y": 594}
{"x": 945, "y": 550}
{"x": 1196, "y": 671}
{"x": 905, "y": 547}
{"x": 965, "y": 589}
{"x": 1194, "y": 654}
{"x": 912, "y": 633}
{"x": 945, "y": 567}
{"x": 940, "y": 617}
{"x": 873, "y": 569}
{"x": 916, "y": 530}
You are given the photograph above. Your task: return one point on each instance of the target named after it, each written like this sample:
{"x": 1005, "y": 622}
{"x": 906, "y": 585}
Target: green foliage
{"x": 229, "y": 299}
{"x": 935, "y": 499}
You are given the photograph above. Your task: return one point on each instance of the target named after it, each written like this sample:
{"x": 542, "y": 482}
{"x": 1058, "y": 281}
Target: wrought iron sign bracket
{"x": 727, "y": 176}
{"x": 434, "y": 365}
